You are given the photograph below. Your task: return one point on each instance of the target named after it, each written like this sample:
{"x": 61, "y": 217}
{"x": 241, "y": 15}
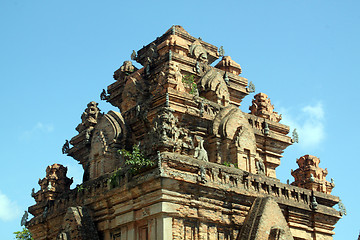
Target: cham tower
{"x": 179, "y": 160}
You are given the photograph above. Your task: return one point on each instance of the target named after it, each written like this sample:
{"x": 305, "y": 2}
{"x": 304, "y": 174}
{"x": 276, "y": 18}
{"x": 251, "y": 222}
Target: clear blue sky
{"x": 56, "y": 56}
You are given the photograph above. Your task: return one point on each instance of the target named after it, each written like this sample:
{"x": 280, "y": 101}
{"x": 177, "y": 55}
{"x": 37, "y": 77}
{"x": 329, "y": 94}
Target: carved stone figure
{"x": 266, "y": 129}
{"x": 260, "y": 166}
{"x": 174, "y": 68}
{"x": 133, "y": 55}
{"x": 104, "y": 96}
{"x": 262, "y": 107}
{"x": 313, "y": 204}
{"x": 200, "y": 152}
{"x": 310, "y": 176}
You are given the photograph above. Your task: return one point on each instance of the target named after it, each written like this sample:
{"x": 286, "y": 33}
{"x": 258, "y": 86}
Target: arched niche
{"x": 108, "y": 137}
{"x": 233, "y": 139}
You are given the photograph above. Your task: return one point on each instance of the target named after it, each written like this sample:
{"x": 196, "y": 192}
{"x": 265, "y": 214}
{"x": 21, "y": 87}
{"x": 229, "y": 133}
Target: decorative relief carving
{"x": 198, "y": 52}
{"x": 165, "y": 126}
{"x": 213, "y": 87}
{"x": 175, "y": 73}
{"x": 262, "y": 107}
{"x": 310, "y": 176}
{"x": 166, "y": 133}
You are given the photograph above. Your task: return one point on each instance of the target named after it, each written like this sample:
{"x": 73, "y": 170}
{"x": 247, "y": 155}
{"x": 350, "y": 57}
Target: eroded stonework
{"x": 209, "y": 169}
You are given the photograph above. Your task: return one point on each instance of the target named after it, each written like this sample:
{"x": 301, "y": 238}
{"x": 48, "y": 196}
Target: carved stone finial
{"x": 104, "y": 96}
{"x": 133, "y": 55}
{"x": 295, "y": 136}
{"x": 24, "y": 218}
{"x": 66, "y": 147}
{"x": 342, "y": 208}
{"x": 310, "y": 176}
{"x": 251, "y": 87}
{"x": 262, "y": 107}
{"x": 221, "y": 51}
{"x": 55, "y": 183}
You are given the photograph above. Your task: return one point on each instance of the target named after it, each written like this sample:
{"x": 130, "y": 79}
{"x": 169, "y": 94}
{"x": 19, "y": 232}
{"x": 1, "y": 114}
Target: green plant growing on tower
{"x": 135, "y": 159}
{"x": 228, "y": 164}
{"x": 23, "y": 235}
{"x": 189, "y": 80}
{"x": 80, "y": 188}
{"x": 114, "y": 178}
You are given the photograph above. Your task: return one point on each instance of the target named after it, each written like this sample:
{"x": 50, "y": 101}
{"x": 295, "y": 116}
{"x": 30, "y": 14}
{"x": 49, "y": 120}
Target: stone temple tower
{"x": 180, "y": 160}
